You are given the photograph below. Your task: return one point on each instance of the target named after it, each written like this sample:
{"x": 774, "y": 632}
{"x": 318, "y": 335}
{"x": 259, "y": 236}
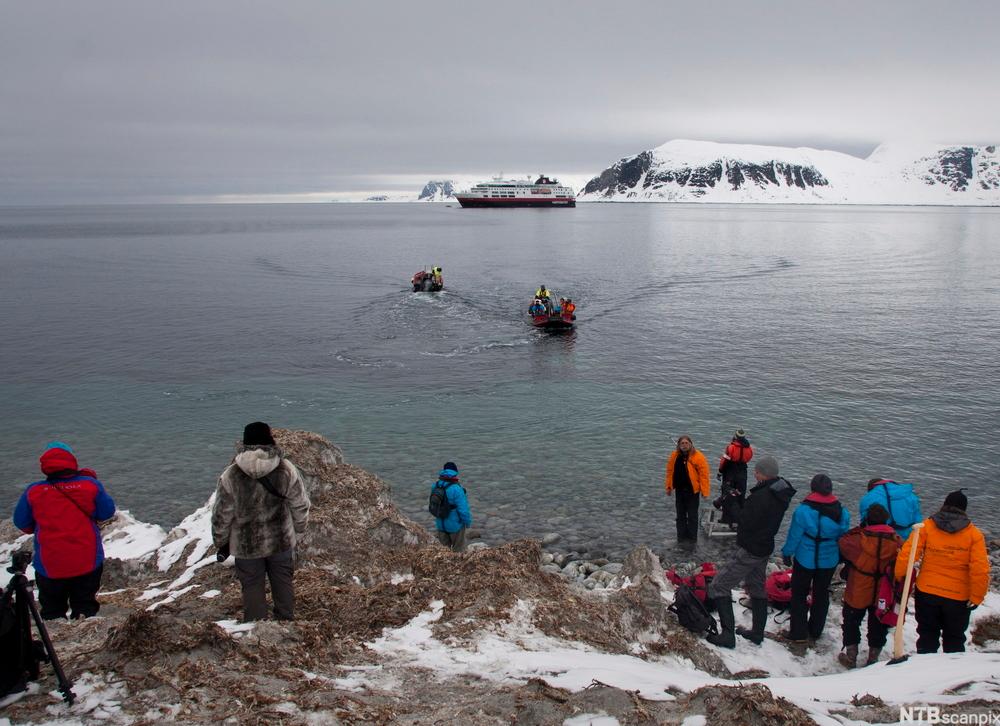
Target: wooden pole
{"x": 897, "y": 649}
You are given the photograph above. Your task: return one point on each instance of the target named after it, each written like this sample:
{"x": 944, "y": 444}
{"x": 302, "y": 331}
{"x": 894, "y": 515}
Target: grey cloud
{"x": 108, "y": 101}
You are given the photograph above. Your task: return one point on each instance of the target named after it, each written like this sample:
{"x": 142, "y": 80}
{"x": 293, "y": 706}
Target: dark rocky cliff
{"x": 962, "y": 167}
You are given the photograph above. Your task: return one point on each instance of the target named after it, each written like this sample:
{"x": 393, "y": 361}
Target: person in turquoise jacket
{"x": 811, "y": 549}
{"x": 451, "y": 530}
{"x": 898, "y": 499}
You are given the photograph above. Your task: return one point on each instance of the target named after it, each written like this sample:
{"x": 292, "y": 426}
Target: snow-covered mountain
{"x": 702, "y": 171}
{"x": 437, "y": 191}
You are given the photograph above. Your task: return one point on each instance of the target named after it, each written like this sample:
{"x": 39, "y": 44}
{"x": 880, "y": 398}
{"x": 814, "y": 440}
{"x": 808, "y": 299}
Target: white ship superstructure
{"x": 543, "y": 192}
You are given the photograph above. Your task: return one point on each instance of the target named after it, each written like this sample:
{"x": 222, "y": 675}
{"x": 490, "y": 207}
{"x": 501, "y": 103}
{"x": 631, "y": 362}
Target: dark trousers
{"x": 454, "y": 540}
{"x": 731, "y": 504}
{"x": 877, "y": 630}
{"x": 734, "y": 489}
{"x": 741, "y": 567}
{"x": 78, "y": 594}
{"x": 940, "y": 617}
{"x": 808, "y": 620}
{"x": 278, "y": 569}
{"x": 687, "y": 514}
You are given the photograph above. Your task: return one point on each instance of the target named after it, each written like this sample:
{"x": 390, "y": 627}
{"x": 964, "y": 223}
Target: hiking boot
{"x": 848, "y": 657}
{"x": 727, "y": 621}
{"x": 755, "y": 634}
{"x": 787, "y": 635}
{"x": 873, "y": 654}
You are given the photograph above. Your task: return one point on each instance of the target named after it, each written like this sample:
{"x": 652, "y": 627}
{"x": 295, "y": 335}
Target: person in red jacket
{"x": 687, "y": 480}
{"x": 733, "y": 475}
{"x": 63, "y": 511}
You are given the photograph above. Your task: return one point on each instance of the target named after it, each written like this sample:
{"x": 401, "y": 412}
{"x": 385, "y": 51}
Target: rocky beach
{"x": 392, "y": 628}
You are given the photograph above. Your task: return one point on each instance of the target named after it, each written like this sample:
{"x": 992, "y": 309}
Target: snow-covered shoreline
{"x": 392, "y": 628}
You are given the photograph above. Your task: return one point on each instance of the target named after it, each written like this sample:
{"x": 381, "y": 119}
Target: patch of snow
{"x": 130, "y": 539}
{"x": 195, "y": 529}
{"x": 234, "y": 627}
{"x": 519, "y": 652}
{"x": 697, "y": 720}
{"x": 209, "y": 594}
{"x": 774, "y": 657}
{"x": 7, "y": 550}
{"x": 97, "y": 698}
{"x": 396, "y": 579}
{"x": 31, "y": 690}
{"x": 174, "y": 594}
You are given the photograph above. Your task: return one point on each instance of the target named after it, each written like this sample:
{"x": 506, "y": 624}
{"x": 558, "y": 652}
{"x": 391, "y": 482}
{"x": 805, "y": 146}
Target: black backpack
{"x": 691, "y": 612}
{"x": 21, "y": 654}
{"x": 438, "y": 505}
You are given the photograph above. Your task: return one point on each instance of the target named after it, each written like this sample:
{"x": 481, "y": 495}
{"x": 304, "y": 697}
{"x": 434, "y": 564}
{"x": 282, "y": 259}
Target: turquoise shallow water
{"x": 857, "y": 341}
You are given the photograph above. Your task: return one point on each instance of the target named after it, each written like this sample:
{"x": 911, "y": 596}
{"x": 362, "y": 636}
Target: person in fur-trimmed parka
{"x": 260, "y": 510}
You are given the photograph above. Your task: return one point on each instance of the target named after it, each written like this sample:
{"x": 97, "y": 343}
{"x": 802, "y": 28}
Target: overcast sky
{"x": 153, "y": 101}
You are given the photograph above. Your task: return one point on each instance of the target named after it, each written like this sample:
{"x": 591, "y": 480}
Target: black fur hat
{"x": 257, "y": 433}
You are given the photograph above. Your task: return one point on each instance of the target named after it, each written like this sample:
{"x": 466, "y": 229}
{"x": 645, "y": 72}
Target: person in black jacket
{"x": 759, "y": 521}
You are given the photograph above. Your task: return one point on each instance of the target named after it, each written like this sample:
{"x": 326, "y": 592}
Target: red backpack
{"x": 888, "y": 594}
{"x": 778, "y": 588}
{"x": 698, "y": 582}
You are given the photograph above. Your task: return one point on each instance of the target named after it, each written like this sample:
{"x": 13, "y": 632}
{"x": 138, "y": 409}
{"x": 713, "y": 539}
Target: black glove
{"x": 971, "y": 605}
{"x": 719, "y": 476}
{"x": 786, "y": 560}
{"x": 222, "y": 553}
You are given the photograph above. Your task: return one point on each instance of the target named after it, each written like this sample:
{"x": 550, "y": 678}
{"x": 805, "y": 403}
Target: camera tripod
{"x": 25, "y": 611}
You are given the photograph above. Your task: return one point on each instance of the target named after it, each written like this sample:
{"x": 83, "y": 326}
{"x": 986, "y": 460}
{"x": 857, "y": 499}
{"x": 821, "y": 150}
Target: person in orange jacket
{"x": 687, "y": 479}
{"x": 869, "y": 550}
{"x": 953, "y": 578}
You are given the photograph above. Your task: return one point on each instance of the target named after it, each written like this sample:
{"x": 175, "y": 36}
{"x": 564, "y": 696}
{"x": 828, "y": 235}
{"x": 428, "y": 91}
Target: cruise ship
{"x": 544, "y": 192}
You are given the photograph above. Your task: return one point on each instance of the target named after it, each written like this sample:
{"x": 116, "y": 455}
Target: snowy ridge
{"x": 703, "y": 171}
{"x": 518, "y": 651}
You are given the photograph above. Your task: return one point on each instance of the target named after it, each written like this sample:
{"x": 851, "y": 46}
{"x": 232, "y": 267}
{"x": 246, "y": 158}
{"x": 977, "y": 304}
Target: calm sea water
{"x": 857, "y": 341}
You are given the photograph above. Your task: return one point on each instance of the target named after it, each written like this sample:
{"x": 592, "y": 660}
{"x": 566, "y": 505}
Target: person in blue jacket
{"x": 451, "y": 530}
{"x": 898, "y": 499}
{"x": 812, "y": 551}
{"x": 63, "y": 512}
